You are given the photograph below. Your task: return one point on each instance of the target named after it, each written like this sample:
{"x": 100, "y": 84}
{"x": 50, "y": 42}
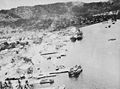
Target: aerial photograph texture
{"x": 59, "y": 44}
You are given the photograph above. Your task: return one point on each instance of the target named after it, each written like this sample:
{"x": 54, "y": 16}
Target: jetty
{"x": 60, "y": 71}
{"x": 49, "y": 53}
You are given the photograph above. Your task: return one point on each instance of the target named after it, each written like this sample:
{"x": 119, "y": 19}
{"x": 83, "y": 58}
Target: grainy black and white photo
{"x": 59, "y": 44}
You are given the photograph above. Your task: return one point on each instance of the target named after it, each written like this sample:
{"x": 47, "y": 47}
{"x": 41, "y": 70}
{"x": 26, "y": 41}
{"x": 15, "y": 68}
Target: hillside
{"x": 55, "y": 16}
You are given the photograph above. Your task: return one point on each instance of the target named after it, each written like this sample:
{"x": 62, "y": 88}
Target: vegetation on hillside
{"x": 59, "y": 15}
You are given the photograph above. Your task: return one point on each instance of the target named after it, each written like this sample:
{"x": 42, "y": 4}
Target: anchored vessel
{"x": 75, "y": 71}
{"x": 45, "y": 81}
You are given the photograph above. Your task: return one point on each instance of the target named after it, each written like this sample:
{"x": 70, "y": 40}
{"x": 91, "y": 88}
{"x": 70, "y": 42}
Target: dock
{"x": 46, "y": 76}
{"x": 60, "y": 71}
{"x": 49, "y": 53}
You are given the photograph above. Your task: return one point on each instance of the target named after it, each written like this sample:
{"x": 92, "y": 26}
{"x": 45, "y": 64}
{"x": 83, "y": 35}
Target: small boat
{"x": 45, "y": 81}
{"x": 75, "y": 71}
{"x": 113, "y": 39}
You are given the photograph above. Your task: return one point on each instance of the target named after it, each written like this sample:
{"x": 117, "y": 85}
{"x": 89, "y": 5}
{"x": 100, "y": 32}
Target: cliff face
{"x": 46, "y": 16}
